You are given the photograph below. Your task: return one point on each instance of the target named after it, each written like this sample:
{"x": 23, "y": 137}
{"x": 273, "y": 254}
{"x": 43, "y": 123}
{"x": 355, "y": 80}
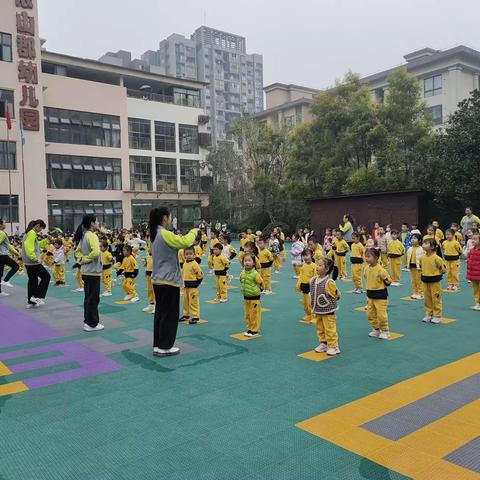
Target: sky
{"x": 306, "y": 42}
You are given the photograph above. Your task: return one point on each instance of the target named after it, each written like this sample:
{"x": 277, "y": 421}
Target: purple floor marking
{"x": 17, "y": 328}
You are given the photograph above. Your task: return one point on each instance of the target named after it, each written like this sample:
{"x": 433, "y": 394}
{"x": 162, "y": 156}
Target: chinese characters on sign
{"x": 27, "y": 69}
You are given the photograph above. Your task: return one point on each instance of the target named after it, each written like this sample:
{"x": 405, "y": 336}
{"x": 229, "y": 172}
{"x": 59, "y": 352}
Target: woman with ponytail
{"x": 87, "y": 252}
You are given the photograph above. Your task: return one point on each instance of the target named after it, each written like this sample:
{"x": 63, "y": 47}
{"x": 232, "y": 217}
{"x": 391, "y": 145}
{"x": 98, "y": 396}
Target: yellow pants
{"x": 150, "y": 292}
{"x": 453, "y": 272}
{"x": 221, "y": 286}
{"x": 416, "y": 280}
{"x": 476, "y": 291}
{"x": 277, "y": 261}
{"x": 396, "y": 266}
{"x": 296, "y": 270}
{"x": 283, "y": 256}
{"x": 107, "y": 279}
{"x": 377, "y": 314}
{"x": 433, "y": 299}
{"x": 384, "y": 258}
{"x": 78, "y": 278}
{"x": 210, "y": 262}
{"x": 129, "y": 287}
{"x": 327, "y": 329}
{"x": 307, "y": 306}
{"x": 59, "y": 273}
{"x": 266, "y": 274}
{"x": 191, "y": 304}
{"x": 253, "y": 314}
{"x": 357, "y": 275}
{"x": 405, "y": 260}
{"x": 341, "y": 262}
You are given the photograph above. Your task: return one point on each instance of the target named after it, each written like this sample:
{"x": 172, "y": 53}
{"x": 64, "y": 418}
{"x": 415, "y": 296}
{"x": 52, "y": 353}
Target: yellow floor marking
{"x": 123, "y": 302}
{"x": 309, "y": 322}
{"x": 231, "y": 287}
{"x": 361, "y": 309}
{"x": 4, "y": 370}
{"x": 409, "y": 299}
{"x": 451, "y": 291}
{"x": 394, "y": 336}
{"x": 419, "y": 454}
{"x": 242, "y": 337}
{"x": 346, "y": 280}
{"x": 200, "y": 321}
{"x": 315, "y": 356}
{"x": 265, "y": 310}
{"x": 212, "y": 301}
{"x": 445, "y": 321}
{"x": 11, "y": 388}
{"x": 274, "y": 281}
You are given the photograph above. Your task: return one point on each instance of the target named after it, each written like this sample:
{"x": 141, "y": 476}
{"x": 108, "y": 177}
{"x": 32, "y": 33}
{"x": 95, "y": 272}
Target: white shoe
{"x": 31, "y": 305}
{"x": 476, "y": 307}
{"x": 427, "y": 319}
{"x": 333, "y": 351}
{"x": 435, "y": 320}
{"x": 395, "y": 284}
{"x": 134, "y": 299}
{"x": 160, "y": 352}
{"x": 374, "y": 333}
{"x": 268, "y": 292}
{"x": 405, "y": 269}
{"x": 127, "y": 297}
{"x": 7, "y": 284}
{"x": 149, "y": 309}
{"x": 106, "y": 294}
{"x": 295, "y": 277}
{"x": 4, "y": 294}
{"x": 384, "y": 335}
{"x": 88, "y": 328}
{"x": 223, "y": 300}
{"x": 78, "y": 290}
{"x": 39, "y": 301}
{"x": 247, "y": 334}
{"x": 414, "y": 296}
{"x": 321, "y": 348}
{"x": 419, "y": 297}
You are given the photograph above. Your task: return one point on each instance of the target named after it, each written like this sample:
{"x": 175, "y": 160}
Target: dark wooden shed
{"x": 411, "y": 206}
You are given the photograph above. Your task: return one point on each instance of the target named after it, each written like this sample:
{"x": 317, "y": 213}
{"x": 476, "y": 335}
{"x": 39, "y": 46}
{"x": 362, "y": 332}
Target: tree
{"x": 365, "y": 180}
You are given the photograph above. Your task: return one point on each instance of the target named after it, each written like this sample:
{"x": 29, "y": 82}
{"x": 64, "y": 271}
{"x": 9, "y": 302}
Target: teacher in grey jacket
{"x": 166, "y": 279}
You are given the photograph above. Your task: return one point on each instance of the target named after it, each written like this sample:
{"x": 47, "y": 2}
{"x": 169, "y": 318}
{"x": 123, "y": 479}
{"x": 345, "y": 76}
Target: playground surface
{"x": 99, "y": 406}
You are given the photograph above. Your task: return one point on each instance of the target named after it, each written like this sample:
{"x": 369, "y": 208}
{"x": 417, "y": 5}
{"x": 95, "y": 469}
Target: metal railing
{"x": 177, "y": 99}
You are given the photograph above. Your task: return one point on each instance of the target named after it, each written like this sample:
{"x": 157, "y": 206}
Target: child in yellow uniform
{"x": 432, "y": 267}
{"x": 148, "y": 276}
{"x": 340, "y": 246}
{"x": 451, "y": 253}
{"x": 129, "y": 269}
{"x": 59, "y": 262}
{"x": 107, "y": 264}
{"x": 181, "y": 257}
{"x": 414, "y": 253}
{"x": 243, "y": 240}
{"x": 213, "y": 242}
{"x": 68, "y": 244}
{"x": 266, "y": 260}
{"x": 395, "y": 250}
{"x": 203, "y": 242}
{"x": 456, "y": 234}
{"x": 220, "y": 267}
{"x": 192, "y": 277}
{"x": 252, "y": 285}
{"x": 324, "y": 296}
{"x": 249, "y": 247}
{"x": 315, "y": 247}
{"x": 377, "y": 280}
{"x": 307, "y": 271}
{"x": 198, "y": 252}
{"x": 78, "y": 276}
{"x": 48, "y": 255}
{"x": 356, "y": 259}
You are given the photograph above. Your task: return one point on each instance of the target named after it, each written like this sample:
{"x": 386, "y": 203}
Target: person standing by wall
{"x": 468, "y": 220}
{"x": 5, "y": 249}
{"x": 36, "y": 290}
{"x": 88, "y": 256}
{"x": 166, "y": 279}
{"x": 347, "y": 228}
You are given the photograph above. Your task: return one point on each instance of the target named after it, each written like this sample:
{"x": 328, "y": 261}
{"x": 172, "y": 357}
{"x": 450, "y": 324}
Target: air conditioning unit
{"x": 205, "y": 140}
{"x": 203, "y": 119}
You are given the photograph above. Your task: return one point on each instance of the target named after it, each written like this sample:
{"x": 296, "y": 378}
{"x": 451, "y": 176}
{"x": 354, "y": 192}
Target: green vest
{"x": 250, "y": 287}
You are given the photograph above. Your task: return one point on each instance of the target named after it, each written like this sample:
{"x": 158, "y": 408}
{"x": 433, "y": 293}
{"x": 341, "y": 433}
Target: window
{"x": 188, "y": 136}
{"x": 81, "y": 128}
{"x": 164, "y": 137}
{"x": 68, "y": 214}
{"x": 190, "y": 175}
{"x": 12, "y": 155}
{"x": 166, "y": 173}
{"x": 187, "y": 98}
{"x": 84, "y": 173}
{"x": 6, "y": 96}
{"x": 5, "y": 47}
{"x": 437, "y": 114}
{"x": 5, "y": 209}
{"x": 139, "y": 134}
{"x": 432, "y": 86}
{"x": 140, "y": 173}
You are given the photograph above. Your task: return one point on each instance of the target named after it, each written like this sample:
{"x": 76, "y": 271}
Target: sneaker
{"x": 88, "y": 328}
{"x": 395, "y": 284}
{"x": 427, "y": 319}
{"x": 420, "y": 297}
{"x": 40, "y": 301}
{"x": 127, "y": 297}
{"x": 134, "y": 299}
{"x": 78, "y": 290}
{"x": 149, "y": 309}
{"x": 267, "y": 292}
{"x": 295, "y": 277}
{"x": 248, "y": 333}
{"x": 31, "y": 305}
{"x": 161, "y": 352}
{"x": 358, "y": 291}
{"x": 321, "y": 348}
{"x": 184, "y": 319}
{"x": 4, "y": 294}
{"x": 476, "y": 307}
{"x": 455, "y": 288}
{"x": 254, "y": 334}
{"x": 223, "y": 300}
{"x": 6, "y": 284}
{"x": 332, "y": 351}
{"x": 405, "y": 269}
{"x": 193, "y": 321}
{"x": 106, "y": 294}
{"x": 414, "y": 296}
{"x": 435, "y": 320}
{"x": 216, "y": 300}
{"x": 384, "y": 335}
{"x": 374, "y": 333}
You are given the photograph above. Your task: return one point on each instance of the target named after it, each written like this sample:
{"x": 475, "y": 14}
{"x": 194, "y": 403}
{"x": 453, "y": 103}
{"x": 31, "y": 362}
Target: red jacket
{"x": 473, "y": 265}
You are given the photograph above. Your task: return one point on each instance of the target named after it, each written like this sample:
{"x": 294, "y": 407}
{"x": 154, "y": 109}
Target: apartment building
{"x": 98, "y": 138}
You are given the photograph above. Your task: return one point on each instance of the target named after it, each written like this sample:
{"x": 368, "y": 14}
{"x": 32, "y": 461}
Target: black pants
{"x": 35, "y": 288}
{"x": 7, "y": 260}
{"x": 167, "y": 311}
{"x": 91, "y": 289}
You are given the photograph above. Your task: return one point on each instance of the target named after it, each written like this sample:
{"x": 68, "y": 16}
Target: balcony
{"x": 182, "y": 99}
